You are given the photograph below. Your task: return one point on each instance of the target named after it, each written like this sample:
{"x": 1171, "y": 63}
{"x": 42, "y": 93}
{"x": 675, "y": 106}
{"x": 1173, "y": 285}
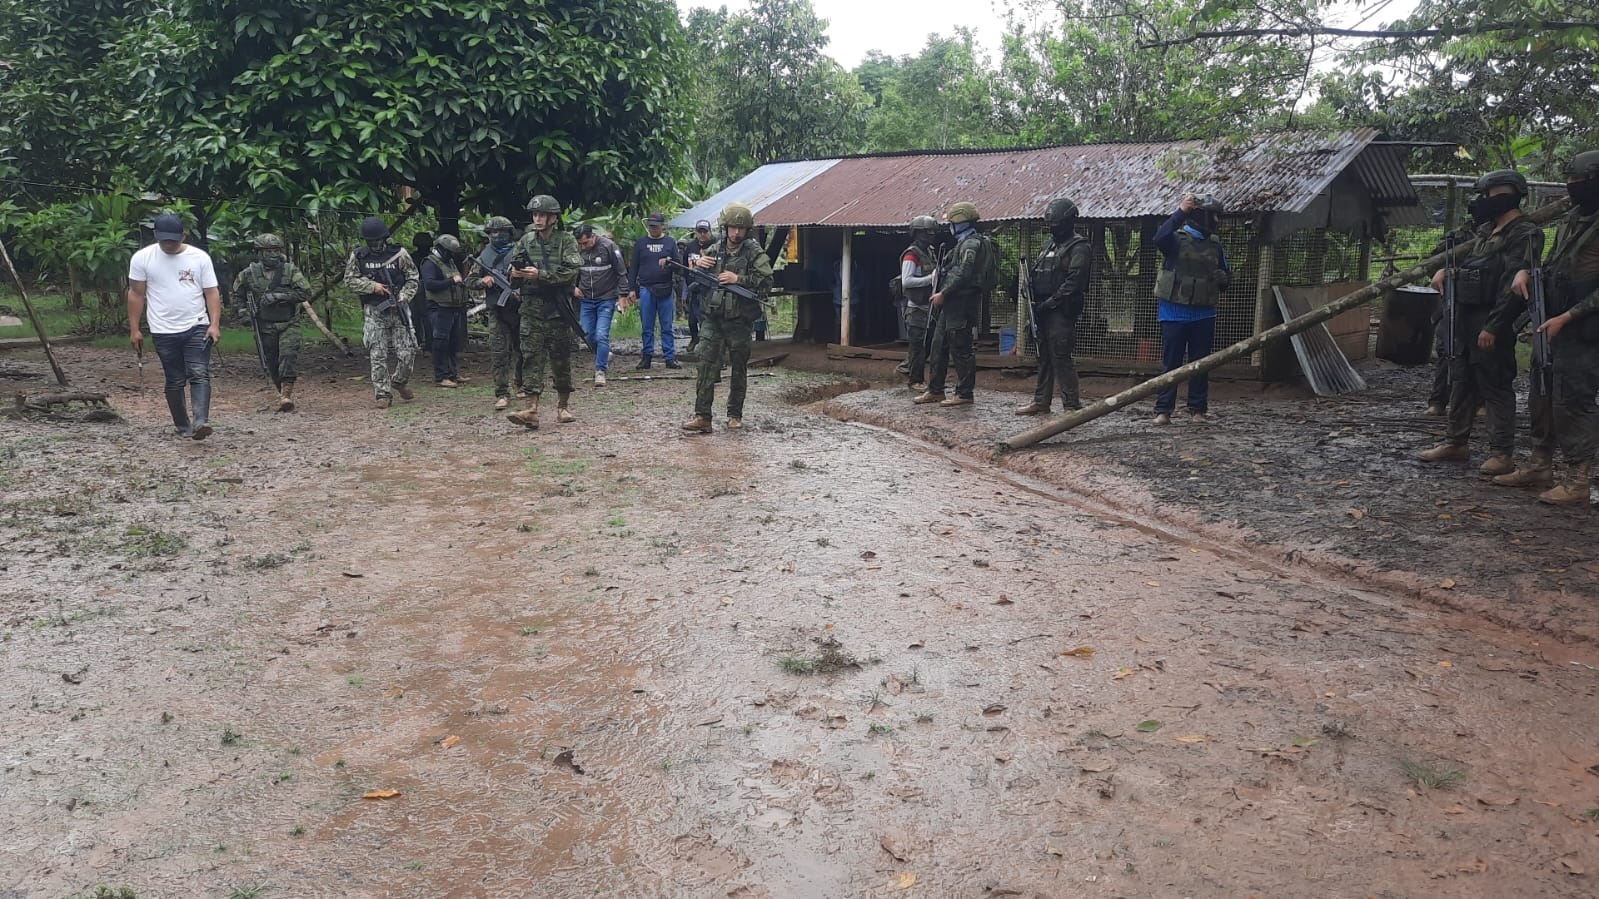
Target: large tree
{"x": 946, "y": 96}
{"x": 481, "y": 101}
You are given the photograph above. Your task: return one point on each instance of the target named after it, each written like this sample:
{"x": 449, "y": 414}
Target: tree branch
{"x": 1319, "y": 31}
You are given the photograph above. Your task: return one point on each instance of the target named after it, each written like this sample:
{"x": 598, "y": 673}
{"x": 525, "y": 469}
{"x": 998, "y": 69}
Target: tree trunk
{"x": 74, "y": 292}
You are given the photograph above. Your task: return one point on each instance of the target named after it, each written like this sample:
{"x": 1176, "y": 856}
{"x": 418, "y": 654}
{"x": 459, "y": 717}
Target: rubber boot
{"x": 1574, "y": 492}
{"x": 200, "y": 395}
{"x": 1498, "y": 464}
{"x": 562, "y": 415}
{"x": 177, "y": 404}
{"x": 1446, "y": 452}
{"x": 405, "y": 391}
{"x": 286, "y": 397}
{"x": 699, "y": 424}
{"x": 1538, "y": 472}
{"x": 529, "y": 417}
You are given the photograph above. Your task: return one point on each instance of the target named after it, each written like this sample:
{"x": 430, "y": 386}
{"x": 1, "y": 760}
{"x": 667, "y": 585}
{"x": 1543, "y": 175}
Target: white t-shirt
{"x": 174, "y": 298}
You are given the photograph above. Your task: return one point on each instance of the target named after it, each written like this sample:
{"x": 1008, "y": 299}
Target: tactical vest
{"x": 1195, "y": 279}
{"x": 536, "y": 291}
{"x": 491, "y": 258}
{"x": 261, "y": 284}
{"x": 1566, "y": 282}
{"x": 455, "y": 294}
{"x": 1047, "y": 274}
{"x": 926, "y": 264}
{"x": 725, "y": 304}
{"x": 383, "y": 267}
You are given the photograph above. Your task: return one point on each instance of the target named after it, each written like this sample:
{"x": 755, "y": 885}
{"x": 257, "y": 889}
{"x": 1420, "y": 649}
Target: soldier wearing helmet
{"x": 1059, "y": 282}
{"x": 273, "y": 288}
{"x": 969, "y": 271}
{"x": 445, "y": 288}
{"x": 504, "y": 308}
{"x": 1569, "y": 418}
{"x": 1193, "y": 275}
{"x": 1483, "y": 370}
{"x": 545, "y": 263}
{"x": 728, "y": 325}
{"x": 917, "y": 267}
{"x": 384, "y": 277}
{"x": 689, "y": 249}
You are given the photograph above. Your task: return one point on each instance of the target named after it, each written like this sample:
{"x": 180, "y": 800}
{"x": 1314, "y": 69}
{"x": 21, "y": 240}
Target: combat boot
{"x": 1436, "y": 410}
{"x": 562, "y": 414}
{"x": 1446, "y": 452}
{"x": 928, "y": 397}
{"x": 501, "y": 403}
{"x": 286, "y": 397}
{"x": 699, "y": 424}
{"x": 405, "y": 392}
{"x": 1574, "y": 492}
{"x": 735, "y": 422}
{"x": 1498, "y": 464}
{"x": 384, "y": 402}
{"x": 1033, "y": 409}
{"x": 1538, "y": 472}
{"x": 529, "y": 417}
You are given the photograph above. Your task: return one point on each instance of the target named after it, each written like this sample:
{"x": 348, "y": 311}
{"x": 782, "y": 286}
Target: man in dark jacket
{"x": 446, "y": 296}
{"x": 600, "y": 281}
{"x": 1059, "y": 285}
{"x": 652, "y": 281}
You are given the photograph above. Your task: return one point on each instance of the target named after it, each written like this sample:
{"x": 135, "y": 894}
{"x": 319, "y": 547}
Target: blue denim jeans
{"x": 595, "y": 317}
{"x": 1195, "y": 340}
{"x": 186, "y": 362}
{"x": 657, "y": 307}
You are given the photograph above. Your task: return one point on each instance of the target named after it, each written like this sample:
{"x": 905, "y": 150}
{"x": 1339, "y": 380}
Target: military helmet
{"x": 1060, "y": 211}
{"x": 737, "y": 215}
{"x": 1516, "y": 180}
{"x": 448, "y": 243}
{"x": 372, "y": 228}
{"x": 962, "y": 212}
{"x": 497, "y": 223}
{"x": 924, "y": 223}
{"x": 1584, "y": 166}
{"x": 544, "y": 203}
{"x": 268, "y": 241}
{"x": 1208, "y": 203}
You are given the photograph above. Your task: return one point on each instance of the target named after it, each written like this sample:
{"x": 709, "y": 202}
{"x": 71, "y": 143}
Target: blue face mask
{"x": 501, "y": 240}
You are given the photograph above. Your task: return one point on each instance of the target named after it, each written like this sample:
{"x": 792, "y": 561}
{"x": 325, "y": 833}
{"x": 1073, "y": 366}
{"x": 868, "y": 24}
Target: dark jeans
{"x": 186, "y": 361}
{"x": 694, "y": 297}
{"x": 447, "y": 325}
{"x": 1194, "y": 340}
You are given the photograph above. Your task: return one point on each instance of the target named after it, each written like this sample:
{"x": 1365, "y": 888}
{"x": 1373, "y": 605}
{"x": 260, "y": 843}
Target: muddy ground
{"x": 812, "y": 659}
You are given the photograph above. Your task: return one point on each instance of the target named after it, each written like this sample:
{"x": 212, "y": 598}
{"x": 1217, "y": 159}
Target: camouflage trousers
{"x": 917, "y": 322}
{"x": 280, "y": 349}
{"x": 392, "y": 348}
{"x": 1570, "y": 417}
{"x": 546, "y": 343}
{"x": 505, "y": 346}
{"x": 723, "y": 341}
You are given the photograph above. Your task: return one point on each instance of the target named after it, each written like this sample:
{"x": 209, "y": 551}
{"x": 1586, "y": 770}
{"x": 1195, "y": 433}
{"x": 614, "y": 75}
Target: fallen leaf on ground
{"x": 892, "y": 848}
{"x": 1357, "y": 514}
{"x": 1572, "y": 867}
{"x": 1151, "y": 583}
{"x": 1096, "y": 766}
{"x": 1446, "y": 664}
{"x": 727, "y": 600}
{"x": 1193, "y": 738}
{"x": 380, "y": 794}
{"x": 1004, "y": 601}
{"x": 992, "y": 709}
{"x": 1120, "y": 673}
{"x": 906, "y": 880}
{"x": 1447, "y": 583}
{"x": 1081, "y": 652}
{"x": 449, "y": 741}
{"x": 1149, "y": 726}
{"x": 1499, "y": 801}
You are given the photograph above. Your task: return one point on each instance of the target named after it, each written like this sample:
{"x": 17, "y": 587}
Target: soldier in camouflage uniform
{"x": 728, "y": 322}
{"x": 917, "y": 267}
{"x": 505, "y": 322}
{"x": 272, "y": 289}
{"x": 545, "y": 263}
{"x": 1060, "y": 284}
{"x": 385, "y": 278}
{"x": 1571, "y": 293}
{"x": 957, "y": 305}
{"x": 1486, "y": 309}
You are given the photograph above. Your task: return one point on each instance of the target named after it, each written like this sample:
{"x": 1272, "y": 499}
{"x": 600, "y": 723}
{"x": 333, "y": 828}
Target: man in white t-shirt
{"x": 176, "y": 286}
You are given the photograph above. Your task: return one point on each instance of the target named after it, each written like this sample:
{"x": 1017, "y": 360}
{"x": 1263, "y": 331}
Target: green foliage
{"x": 946, "y": 96}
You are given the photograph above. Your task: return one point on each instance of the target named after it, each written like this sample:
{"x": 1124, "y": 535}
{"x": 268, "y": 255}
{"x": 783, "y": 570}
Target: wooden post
{"x": 844, "y": 289}
{"x": 33, "y": 316}
{"x": 1421, "y": 270}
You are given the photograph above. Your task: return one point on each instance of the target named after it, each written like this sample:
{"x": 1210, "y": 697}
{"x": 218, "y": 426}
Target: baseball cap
{"x": 656, "y": 218}
{"x": 702, "y": 225}
{"x": 168, "y": 226}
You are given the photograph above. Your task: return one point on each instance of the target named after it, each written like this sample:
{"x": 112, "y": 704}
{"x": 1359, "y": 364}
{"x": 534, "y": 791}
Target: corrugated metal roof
{"x": 1266, "y": 173}
{"x": 757, "y": 189}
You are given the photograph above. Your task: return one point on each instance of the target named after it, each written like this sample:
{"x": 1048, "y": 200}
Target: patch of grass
{"x": 666, "y": 765}
{"x": 285, "y": 776}
{"x": 265, "y": 562}
{"x": 879, "y": 729}
{"x": 355, "y": 680}
{"x": 831, "y": 658}
{"x": 616, "y": 521}
{"x": 104, "y": 892}
{"x": 529, "y": 630}
{"x": 231, "y": 737}
{"x": 797, "y": 664}
{"x": 142, "y": 540}
{"x": 416, "y": 865}
{"x": 253, "y": 891}
{"x": 924, "y": 717}
{"x": 823, "y": 542}
{"x": 591, "y": 571}
{"x": 528, "y": 528}
{"x": 297, "y": 830}
{"x": 1337, "y": 730}
{"x": 1434, "y": 777}
{"x": 1592, "y": 814}
{"x": 340, "y": 764}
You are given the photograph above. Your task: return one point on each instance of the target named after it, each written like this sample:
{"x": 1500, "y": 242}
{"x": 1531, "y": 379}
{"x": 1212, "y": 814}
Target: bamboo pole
{"x": 33, "y": 316}
{"x": 1421, "y": 270}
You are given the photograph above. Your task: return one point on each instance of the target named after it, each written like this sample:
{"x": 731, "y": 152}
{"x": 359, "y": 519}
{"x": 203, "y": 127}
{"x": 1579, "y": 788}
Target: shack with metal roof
{"x": 1302, "y": 211}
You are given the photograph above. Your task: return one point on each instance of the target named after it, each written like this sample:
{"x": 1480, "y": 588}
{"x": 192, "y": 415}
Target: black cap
{"x": 702, "y": 225}
{"x": 656, "y": 218}
{"x": 168, "y": 226}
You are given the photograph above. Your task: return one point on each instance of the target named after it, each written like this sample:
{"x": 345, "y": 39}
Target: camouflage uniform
{"x": 505, "y": 326}
{"x": 547, "y": 339}
{"x": 273, "y": 298}
{"x": 726, "y": 329}
{"x": 1570, "y": 417}
{"x": 957, "y": 318}
{"x": 1059, "y": 285}
{"x": 385, "y": 334}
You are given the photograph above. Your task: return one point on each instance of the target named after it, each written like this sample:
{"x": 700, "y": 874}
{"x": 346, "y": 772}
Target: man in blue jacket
{"x": 652, "y": 282}
{"x": 1192, "y": 277}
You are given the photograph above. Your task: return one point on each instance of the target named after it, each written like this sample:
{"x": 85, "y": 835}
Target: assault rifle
{"x": 1451, "y": 310}
{"x": 253, "y": 303}
{"x": 507, "y": 289}
{"x": 1543, "y": 362}
{"x": 703, "y": 278}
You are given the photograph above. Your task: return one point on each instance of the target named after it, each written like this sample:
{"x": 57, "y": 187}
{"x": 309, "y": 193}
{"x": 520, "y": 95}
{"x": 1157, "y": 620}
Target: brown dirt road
{"x": 580, "y": 658}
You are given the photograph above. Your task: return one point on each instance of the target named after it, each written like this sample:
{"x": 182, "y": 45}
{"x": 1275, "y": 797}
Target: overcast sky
{"x": 901, "y": 27}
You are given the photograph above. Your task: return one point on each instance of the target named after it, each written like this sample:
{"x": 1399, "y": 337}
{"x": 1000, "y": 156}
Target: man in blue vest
{"x": 1193, "y": 275}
